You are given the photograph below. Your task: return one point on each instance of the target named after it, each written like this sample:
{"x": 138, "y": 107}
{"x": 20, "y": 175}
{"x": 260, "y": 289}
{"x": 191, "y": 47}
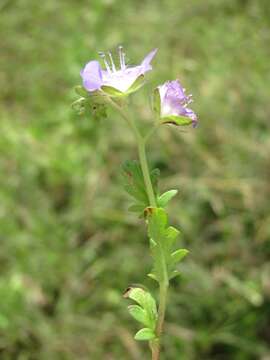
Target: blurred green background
{"x": 68, "y": 245}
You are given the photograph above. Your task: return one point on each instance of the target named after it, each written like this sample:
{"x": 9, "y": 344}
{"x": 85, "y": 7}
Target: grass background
{"x": 68, "y": 246}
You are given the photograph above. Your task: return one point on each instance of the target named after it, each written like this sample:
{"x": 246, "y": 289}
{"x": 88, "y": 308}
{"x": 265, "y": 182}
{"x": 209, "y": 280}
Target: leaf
{"x": 143, "y": 298}
{"x": 162, "y": 239}
{"x": 146, "y": 302}
{"x": 173, "y": 274}
{"x": 178, "y": 255}
{"x": 152, "y": 276}
{"x": 133, "y": 182}
{"x": 139, "y": 314}
{"x": 166, "y": 197}
{"x": 145, "y": 334}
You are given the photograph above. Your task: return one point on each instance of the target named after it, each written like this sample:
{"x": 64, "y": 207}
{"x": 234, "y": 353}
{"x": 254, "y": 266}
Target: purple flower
{"x": 173, "y": 104}
{"x": 122, "y": 79}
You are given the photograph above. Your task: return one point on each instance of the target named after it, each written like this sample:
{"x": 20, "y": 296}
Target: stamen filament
{"x": 121, "y": 58}
{"x": 112, "y": 63}
{"x": 103, "y": 56}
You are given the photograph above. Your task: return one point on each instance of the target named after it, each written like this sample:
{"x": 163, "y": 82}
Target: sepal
{"x": 156, "y": 102}
{"x": 176, "y": 120}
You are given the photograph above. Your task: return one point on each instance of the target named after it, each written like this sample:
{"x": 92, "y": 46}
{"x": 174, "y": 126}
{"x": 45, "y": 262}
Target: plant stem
{"x": 163, "y": 286}
{"x": 146, "y": 174}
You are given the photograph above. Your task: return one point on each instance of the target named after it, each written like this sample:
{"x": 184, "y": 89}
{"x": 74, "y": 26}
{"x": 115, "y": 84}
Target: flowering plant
{"x": 111, "y": 87}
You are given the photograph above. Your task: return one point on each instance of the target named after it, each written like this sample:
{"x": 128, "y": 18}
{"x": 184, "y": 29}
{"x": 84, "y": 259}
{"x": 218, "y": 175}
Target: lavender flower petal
{"x": 146, "y": 63}
{"x": 92, "y": 76}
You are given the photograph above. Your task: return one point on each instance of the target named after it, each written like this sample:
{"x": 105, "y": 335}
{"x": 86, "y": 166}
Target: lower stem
{"x": 163, "y": 292}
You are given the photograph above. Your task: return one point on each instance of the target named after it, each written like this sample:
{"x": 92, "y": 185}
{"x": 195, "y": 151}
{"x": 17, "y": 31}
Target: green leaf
{"x": 176, "y": 120}
{"x": 143, "y": 298}
{"x": 133, "y": 182}
{"x": 145, "y": 334}
{"x": 173, "y": 274}
{"x": 162, "y": 239}
{"x": 146, "y": 302}
{"x": 139, "y": 314}
{"x": 152, "y": 276}
{"x": 166, "y": 197}
{"x": 178, "y": 255}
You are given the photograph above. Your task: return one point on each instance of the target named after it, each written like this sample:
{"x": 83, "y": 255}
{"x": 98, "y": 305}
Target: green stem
{"x": 163, "y": 286}
{"x": 146, "y": 174}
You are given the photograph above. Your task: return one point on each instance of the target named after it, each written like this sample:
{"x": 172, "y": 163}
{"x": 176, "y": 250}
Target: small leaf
{"x": 178, "y": 255}
{"x": 166, "y": 197}
{"x": 173, "y": 274}
{"x": 153, "y": 277}
{"x": 139, "y": 314}
{"x": 171, "y": 235}
{"x": 145, "y": 334}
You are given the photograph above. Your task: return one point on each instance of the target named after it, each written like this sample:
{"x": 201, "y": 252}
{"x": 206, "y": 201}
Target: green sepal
{"x": 80, "y": 90}
{"x": 164, "y": 199}
{"x": 138, "y": 83}
{"x": 145, "y": 334}
{"x": 156, "y": 102}
{"x": 176, "y": 120}
{"x": 111, "y": 91}
{"x": 79, "y": 106}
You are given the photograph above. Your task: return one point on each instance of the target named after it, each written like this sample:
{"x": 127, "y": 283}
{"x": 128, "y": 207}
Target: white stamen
{"x": 122, "y": 57}
{"x": 103, "y": 56}
{"x": 112, "y": 63}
